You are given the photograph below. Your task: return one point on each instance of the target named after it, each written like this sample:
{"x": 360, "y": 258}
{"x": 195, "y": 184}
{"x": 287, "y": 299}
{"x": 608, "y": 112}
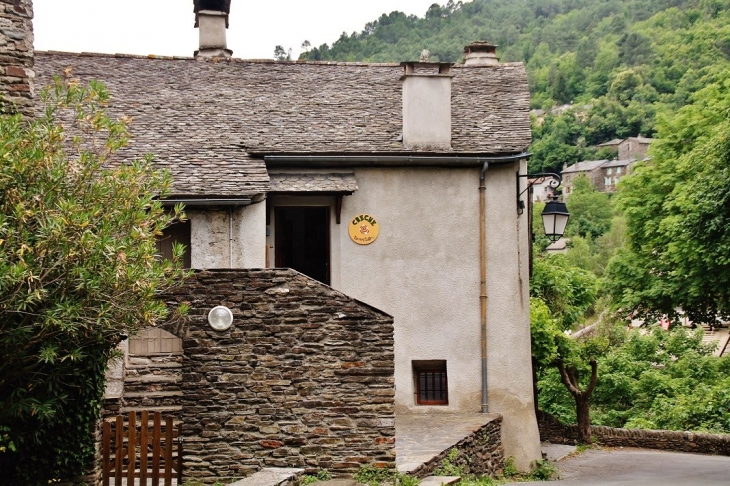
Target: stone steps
{"x": 439, "y": 480}
{"x": 270, "y": 476}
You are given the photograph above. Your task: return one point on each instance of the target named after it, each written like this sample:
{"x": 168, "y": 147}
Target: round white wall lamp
{"x": 220, "y": 318}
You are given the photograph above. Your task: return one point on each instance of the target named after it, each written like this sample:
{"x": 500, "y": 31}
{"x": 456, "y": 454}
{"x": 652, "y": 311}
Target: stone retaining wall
{"x": 16, "y": 53}
{"x": 480, "y": 453}
{"x": 304, "y": 377}
{"x": 552, "y": 430}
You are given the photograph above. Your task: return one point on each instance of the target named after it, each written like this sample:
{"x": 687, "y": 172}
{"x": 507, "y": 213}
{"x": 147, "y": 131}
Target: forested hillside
{"x": 618, "y": 64}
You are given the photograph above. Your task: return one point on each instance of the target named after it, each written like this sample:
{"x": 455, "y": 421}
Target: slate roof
{"x": 315, "y": 182}
{"x": 210, "y": 121}
{"x": 619, "y": 163}
{"x": 611, "y": 143}
{"x": 641, "y": 139}
{"x": 585, "y": 166}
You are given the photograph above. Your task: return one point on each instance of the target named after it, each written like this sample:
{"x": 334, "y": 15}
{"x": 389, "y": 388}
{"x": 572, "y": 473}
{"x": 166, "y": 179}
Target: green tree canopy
{"x": 590, "y": 211}
{"x": 651, "y": 380}
{"x": 77, "y": 269}
{"x": 677, "y": 209}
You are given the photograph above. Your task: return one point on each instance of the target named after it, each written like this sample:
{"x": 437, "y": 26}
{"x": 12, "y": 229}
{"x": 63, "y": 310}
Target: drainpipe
{"x": 483, "y": 280}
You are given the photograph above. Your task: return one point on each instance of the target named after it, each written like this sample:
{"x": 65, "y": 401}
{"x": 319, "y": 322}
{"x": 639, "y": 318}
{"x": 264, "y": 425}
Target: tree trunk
{"x": 582, "y": 410}
{"x": 569, "y": 377}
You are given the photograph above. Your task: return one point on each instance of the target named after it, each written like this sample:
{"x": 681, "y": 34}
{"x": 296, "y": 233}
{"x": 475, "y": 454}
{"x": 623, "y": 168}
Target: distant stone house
{"x": 613, "y": 171}
{"x": 611, "y": 144}
{"x": 634, "y": 148}
{"x": 605, "y": 174}
{"x": 390, "y": 190}
{"x": 591, "y": 169}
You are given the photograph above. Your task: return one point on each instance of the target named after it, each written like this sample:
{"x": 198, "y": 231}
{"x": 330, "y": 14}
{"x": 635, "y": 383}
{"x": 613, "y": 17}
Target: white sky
{"x": 165, "y": 27}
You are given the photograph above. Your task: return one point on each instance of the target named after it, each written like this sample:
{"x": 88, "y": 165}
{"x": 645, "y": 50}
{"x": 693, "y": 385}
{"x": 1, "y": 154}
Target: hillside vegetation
{"x": 618, "y": 65}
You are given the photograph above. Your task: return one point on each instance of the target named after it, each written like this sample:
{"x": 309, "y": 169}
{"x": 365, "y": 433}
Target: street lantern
{"x": 555, "y": 218}
{"x": 555, "y": 215}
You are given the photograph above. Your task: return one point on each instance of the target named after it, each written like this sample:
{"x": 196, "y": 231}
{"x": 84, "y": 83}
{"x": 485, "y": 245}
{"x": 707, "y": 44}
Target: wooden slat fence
{"x": 141, "y": 451}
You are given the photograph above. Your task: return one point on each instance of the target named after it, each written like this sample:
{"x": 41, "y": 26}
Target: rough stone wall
{"x": 16, "y": 53}
{"x": 552, "y": 430}
{"x": 480, "y": 453}
{"x": 303, "y": 378}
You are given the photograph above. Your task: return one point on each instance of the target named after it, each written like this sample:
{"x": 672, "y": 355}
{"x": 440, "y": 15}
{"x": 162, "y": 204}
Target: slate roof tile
{"x": 315, "y": 182}
{"x": 210, "y": 121}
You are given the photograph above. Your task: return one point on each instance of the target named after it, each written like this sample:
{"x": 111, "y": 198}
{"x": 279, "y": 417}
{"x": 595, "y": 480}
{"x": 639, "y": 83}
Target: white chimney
{"x": 212, "y": 25}
{"x": 427, "y": 105}
{"x": 480, "y": 53}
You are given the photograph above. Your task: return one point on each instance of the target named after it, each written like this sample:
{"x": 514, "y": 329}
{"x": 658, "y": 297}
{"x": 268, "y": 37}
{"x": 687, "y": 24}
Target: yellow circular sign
{"x": 364, "y": 229}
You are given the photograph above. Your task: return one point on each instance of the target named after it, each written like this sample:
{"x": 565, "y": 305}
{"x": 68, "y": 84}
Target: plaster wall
{"x": 427, "y": 111}
{"x": 424, "y": 270}
{"x": 509, "y": 362}
{"x": 214, "y": 239}
{"x": 212, "y": 29}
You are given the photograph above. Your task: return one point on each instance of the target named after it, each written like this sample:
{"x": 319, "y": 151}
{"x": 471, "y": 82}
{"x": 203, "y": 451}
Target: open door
{"x": 302, "y": 241}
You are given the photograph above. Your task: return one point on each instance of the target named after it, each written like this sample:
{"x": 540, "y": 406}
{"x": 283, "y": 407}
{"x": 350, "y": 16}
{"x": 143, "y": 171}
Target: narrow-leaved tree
{"x": 78, "y": 269}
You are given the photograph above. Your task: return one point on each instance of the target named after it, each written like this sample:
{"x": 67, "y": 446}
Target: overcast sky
{"x": 165, "y": 27}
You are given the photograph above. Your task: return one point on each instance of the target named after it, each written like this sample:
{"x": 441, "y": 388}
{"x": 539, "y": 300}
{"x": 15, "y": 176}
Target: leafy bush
{"x": 653, "y": 380}
{"x": 77, "y": 269}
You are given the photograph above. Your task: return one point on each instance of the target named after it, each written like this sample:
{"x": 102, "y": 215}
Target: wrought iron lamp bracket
{"x": 554, "y": 184}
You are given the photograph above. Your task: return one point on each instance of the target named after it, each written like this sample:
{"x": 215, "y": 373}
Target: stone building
{"x": 605, "y": 174}
{"x": 392, "y": 187}
{"x": 634, "y": 148}
{"x": 16, "y": 54}
{"x": 591, "y": 169}
{"x": 612, "y": 172}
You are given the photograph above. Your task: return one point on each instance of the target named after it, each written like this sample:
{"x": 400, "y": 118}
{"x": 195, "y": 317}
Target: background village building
{"x": 591, "y": 169}
{"x": 541, "y": 188}
{"x": 301, "y": 165}
{"x": 634, "y": 148}
{"x": 605, "y": 174}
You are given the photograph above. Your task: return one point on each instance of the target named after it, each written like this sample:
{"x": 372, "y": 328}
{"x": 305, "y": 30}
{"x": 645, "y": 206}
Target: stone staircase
{"x": 279, "y": 476}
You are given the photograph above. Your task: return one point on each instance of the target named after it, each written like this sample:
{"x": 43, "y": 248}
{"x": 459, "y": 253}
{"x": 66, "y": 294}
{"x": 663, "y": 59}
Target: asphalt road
{"x": 641, "y": 467}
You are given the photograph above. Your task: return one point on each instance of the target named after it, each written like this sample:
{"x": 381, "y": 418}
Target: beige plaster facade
{"x": 220, "y": 238}
{"x": 424, "y": 270}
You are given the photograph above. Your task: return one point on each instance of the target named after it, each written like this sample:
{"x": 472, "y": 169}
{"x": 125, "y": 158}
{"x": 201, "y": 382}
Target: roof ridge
{"x": 233, "y": 60}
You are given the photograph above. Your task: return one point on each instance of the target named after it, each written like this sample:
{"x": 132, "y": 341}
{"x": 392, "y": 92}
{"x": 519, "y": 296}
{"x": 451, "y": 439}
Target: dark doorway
{"x": 178, "y": 232}
{"x": 302, "y": 241}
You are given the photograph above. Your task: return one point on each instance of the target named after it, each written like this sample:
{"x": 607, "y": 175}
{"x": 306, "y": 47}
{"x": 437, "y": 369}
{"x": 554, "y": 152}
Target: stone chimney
{"x": 427, "y": 105}
{"x": 211, "y": 20}
{"x": 16, "y": 55}
{"x": 480, "y": 53}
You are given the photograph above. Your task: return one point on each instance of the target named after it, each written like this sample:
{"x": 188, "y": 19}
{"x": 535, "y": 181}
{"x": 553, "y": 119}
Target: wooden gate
{"x": 133, "y": 451}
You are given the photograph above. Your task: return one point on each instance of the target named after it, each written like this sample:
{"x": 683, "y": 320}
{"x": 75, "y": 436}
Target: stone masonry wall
{"x": 303, "y": 378}
{"x": 16, "y": 53}
{"x": 480, "y": 453}
{"x": 552, "y": 430}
